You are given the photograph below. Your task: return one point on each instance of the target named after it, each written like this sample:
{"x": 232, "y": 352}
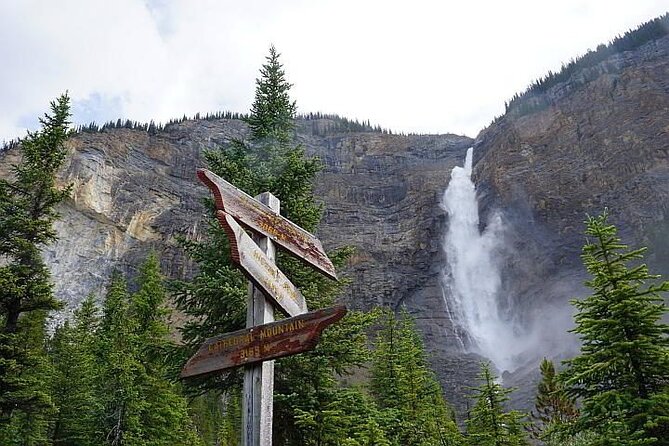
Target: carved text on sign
{"x": 262, "y": 272}
{"x": 263, "y": 342}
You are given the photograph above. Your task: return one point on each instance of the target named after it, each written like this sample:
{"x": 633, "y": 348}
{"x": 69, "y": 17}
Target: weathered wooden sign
{"x": 261, "y": 270}
{"x": 262, "y": 340}
{"x": 261, "y": 343}
{"x": 260, "y": 218}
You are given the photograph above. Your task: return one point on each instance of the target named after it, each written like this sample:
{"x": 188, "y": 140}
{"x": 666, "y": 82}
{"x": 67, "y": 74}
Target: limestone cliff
{"x": 134, "y": 191}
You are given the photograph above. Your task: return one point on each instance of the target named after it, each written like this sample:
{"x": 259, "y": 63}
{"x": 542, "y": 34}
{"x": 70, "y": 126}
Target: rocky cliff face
{"x": 599, "y": 140}
{"x": 602, "y": 141}
{"x": 133, "y": 192}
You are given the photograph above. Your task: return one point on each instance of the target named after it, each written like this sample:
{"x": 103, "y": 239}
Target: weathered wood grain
{"x": 261, "y": 270}
{"x": 262, "y": 219}
{"x": 258, "y": 392}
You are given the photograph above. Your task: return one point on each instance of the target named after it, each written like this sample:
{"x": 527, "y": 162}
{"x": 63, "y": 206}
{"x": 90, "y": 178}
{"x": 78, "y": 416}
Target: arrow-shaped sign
{"x": 261, "y": 270}
{"x": 258, "y": 217}
{"x": 262, "y": 342}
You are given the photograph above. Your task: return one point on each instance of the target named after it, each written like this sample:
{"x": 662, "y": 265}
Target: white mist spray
{"x": 471, "y": 279}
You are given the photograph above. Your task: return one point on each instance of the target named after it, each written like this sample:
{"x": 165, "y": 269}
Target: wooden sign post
{"x": 263, "y": 340}
{"x": 257, "y": 402}
{"x": 256, "y": 260}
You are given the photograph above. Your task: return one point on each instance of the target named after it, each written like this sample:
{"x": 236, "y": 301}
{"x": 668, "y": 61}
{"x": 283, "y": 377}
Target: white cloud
{"x": 424, "y": 66}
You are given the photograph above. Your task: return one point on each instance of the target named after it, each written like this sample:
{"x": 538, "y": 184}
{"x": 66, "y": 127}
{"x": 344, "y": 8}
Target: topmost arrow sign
{"x": 260, "y": 218}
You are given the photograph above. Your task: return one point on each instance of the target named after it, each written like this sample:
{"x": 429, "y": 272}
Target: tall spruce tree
{"x": 216, "y": 296}
{"x": 622, "y": 373}
{"x": 488, "y": 423}
{"x": 27, "y": 202}
{"x": 164, "y": 415}
{"x": 273, "y": 112}
{"x": 349, "y": 418}
{"x": 407, "y": 393}
{"x": 118, "y": 357}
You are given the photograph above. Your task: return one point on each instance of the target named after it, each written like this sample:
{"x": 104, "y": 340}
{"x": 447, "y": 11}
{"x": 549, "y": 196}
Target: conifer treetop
{"x": 272, "y": 113}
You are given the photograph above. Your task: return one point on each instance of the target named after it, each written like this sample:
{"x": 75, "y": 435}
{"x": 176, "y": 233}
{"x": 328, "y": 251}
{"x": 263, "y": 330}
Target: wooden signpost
{"x": 261, "y": 343}
{"x": 263, "y": 340}
{"x": 260, "y": 269}
{"x": 260, "y": 218}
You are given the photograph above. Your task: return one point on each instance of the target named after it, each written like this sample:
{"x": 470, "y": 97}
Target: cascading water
{"x": 471, "y": 281}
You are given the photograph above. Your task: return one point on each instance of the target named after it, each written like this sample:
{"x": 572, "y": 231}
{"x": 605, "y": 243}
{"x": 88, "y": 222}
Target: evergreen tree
{"x": 273, "y": 112}
{"x": 488, "y": 424}
{"x": 218, "y": 420}
{"x": 28, "y": 425}
{"x": 141, "y": 406}
{"x": 27, "y": 202}
{"x": 306, "y": 385}
{"x": 216, "y": 297}
{"x": 553, "y": 406}
{"x": 164, "y": 415}
{"x": 74, "y": 383}
{"x": 405, "y": 388}
{"x": 622, "y": 373}
{"x": 118, "y": 357}
{"x": 349, "y": 417}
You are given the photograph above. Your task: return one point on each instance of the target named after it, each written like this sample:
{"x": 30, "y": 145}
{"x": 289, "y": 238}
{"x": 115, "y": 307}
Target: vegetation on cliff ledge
{"x": 533, "y": 98}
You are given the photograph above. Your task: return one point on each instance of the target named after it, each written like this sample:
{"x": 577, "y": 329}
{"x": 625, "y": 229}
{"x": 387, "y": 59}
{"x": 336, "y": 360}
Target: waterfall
{"x": 482, "y": 319}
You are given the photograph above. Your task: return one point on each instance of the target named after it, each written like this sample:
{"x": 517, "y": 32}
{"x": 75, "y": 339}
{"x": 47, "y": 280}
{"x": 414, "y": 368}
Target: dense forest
{"x": 109, "y": 376}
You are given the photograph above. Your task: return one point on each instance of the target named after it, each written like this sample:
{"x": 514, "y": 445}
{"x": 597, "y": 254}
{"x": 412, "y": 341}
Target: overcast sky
{"x": 413, "y": 66}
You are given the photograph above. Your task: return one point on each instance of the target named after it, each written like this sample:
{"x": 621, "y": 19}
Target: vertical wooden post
{"x": 259, "y": 378}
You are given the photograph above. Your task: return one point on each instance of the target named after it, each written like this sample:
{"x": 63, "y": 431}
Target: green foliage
{"x": 151, "y": 128}
{"x": 553, "y": 407}
{"x": 75, "y": 378}
{"x": 29, "y": 379}
{"x": 622, "y": 373}
{"x": 27, "y": 202}
{"x": 207, "y": 413}
{"x": 120, "y": 366}
{"x": 349, "y": 417}
{"x": 488, "y": 424}
{"x": 140, "y": 405}
{"x": 338, "y": 124}
{"x": 272, "y": 113}
{"x": 307, "y": 396}
{"x": 110, "y": 372}
{"x": 405, "y": 389}
{"x": 562, "y": 438}
{"x": 230, "y": 430}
